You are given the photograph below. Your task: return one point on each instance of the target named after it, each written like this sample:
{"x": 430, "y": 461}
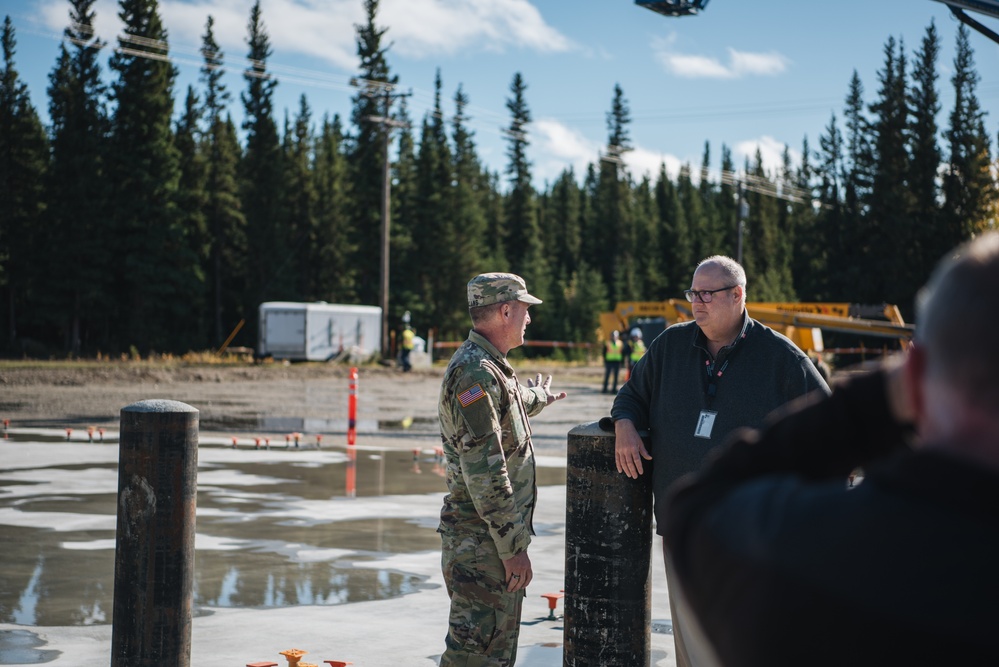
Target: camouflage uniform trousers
{"x": 484, "y": 623}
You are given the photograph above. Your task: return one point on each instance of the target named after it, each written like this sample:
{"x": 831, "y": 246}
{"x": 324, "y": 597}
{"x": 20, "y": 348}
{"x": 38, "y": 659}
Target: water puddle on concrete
{"x": 275, "y": 528}
{"x": 280, "y": 425}
{"x": 20, "y": 647}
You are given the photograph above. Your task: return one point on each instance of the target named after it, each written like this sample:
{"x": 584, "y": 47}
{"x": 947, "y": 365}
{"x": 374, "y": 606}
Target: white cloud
{"x": 764, "y": 64}
{"x": 771, "y": 150}
{"x": 556, "y": 147}
{"x": 421, "y": 28}
{"x": 642, "y": 162}
{"x": 324, "y": 29}
{"x": 740, "y": 63}
{"x": 693, "y": 67}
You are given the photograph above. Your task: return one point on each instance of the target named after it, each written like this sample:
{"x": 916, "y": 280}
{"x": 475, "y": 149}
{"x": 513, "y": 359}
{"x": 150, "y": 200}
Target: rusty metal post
{"x": 154, "y": 549}
{"x": 608, "y": 554}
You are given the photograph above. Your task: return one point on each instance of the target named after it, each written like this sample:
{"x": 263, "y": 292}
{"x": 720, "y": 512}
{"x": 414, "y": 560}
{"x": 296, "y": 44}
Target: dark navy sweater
{"x": 670, "y": 387}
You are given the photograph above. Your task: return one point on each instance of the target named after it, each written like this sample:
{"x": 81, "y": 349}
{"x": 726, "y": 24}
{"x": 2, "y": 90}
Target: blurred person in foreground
{"x": 782, "y": 564}
{"x": 699, "y": 381}
{"x": 486, "y": 519}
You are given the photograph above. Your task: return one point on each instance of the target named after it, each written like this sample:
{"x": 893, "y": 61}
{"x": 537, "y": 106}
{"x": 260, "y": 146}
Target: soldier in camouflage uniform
{"x": 486, "y": 519}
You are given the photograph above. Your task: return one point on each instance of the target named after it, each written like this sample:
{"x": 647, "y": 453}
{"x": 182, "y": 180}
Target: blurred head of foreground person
{"x": 783, "y": 564}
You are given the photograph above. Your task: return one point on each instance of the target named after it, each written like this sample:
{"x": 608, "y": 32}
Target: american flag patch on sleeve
{"x": 471, "y": 395}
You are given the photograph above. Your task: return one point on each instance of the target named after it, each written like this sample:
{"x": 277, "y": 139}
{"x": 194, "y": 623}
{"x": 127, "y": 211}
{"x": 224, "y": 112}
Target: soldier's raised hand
{"x": 546, "y": 385}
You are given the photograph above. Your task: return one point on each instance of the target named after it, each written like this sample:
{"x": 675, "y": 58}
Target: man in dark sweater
{"x": 783, "y": 564}
{"x": 698, "y": 382}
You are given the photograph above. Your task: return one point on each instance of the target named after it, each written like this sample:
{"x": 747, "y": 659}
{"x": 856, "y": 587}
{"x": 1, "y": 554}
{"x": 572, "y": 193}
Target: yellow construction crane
{"x": 802, "y": 322}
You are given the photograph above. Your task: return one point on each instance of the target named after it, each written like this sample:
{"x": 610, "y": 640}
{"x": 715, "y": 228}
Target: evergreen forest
{"x": 142, "y": 219}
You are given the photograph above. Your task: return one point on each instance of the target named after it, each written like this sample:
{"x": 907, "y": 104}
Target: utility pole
{"x": 384, "y": 90}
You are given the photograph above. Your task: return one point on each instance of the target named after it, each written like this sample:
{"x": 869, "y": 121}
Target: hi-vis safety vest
{"x": 612, "y": 350}
{"x": 637, "y": 349}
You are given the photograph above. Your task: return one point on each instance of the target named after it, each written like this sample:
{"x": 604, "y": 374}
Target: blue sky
{"x": 743, "y": 74}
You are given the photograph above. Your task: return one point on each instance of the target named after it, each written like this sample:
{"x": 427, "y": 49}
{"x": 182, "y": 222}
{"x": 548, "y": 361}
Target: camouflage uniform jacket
{"x": 484, "y": 414}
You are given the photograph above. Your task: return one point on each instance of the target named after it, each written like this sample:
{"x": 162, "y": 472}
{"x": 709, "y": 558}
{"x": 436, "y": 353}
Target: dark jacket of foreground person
{"x": 785, "y": 565}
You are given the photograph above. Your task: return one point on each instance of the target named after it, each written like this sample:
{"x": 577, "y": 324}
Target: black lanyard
{"x": 713, "y": 376}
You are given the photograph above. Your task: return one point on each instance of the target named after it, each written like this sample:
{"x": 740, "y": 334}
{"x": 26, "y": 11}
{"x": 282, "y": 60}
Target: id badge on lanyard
{"x": 705, "y": 423}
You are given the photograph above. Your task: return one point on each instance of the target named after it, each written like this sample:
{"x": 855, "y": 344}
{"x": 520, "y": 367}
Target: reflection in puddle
{"x": 273, "y": 424}
{"x": 274, "y": 529}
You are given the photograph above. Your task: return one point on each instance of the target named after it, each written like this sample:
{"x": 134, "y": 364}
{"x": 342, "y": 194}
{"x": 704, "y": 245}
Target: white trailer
{"x": 318, "y": 331}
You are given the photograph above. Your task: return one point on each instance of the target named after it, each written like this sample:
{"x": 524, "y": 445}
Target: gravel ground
{"x": 233, "y": 399}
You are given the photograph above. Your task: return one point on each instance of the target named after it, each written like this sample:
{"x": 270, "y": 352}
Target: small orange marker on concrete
{"x": 553, "y": 599}
{"x": 293, "y": 655}
{"x": 337, "y": 663}
{"x": 261, "y": 664}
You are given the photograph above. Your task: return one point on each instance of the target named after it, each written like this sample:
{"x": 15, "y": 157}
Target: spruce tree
{"x": 299, "y": 206}
{"x": 493, "y": 206}
{"x": 230, "y": 247}
{"x": 466, "y": 205}
{"x": 891, "y": 258}
{"x": 407, "y": 294}
{"x": 648, "y": 258}
{"x": 675, "y": 239}
{"x": 521, "y": 212}
{"x": 224, "y": 219}
{"x": 564, "y": 216}
{"x": 924, "y": 105}
{"x": 616, "y": 226}
{"x": 437, "y": 242}
{"x": 714, "y": 227}
{"x": 78, "y": 294}
{"x": 726, "y": 205}
{"x": 808, "y": 252}
{"x": 523, "y": 241}
{"x": 373, "y": 100}
{"x": 591, "y": 243}
{"x": 858, "y": 166}
{"x": 261, "y": 174}
{"x": 192, "y": 202}
{"x": 765, "y": 256}
{"x": 155, "y": 271}
{"x": 691, "y": 205}
{"x": 583, "y": 297}
{"x": 335, "y": 270}
{"x": 831, "y": 227}
{"x": 23, "y": 161}
{"x": 968, "y": 186}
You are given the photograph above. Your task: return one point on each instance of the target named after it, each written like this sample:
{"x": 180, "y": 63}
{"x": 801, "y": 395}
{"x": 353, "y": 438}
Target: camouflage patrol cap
{"x": 488, "y": 288}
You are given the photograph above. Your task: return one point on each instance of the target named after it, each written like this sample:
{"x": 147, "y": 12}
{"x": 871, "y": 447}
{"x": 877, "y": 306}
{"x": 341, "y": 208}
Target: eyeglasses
{"x": 705, "y": 295}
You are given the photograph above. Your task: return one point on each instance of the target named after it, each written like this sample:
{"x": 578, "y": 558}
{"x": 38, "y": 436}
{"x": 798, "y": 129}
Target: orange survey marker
{"x": 553, "y": 599}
